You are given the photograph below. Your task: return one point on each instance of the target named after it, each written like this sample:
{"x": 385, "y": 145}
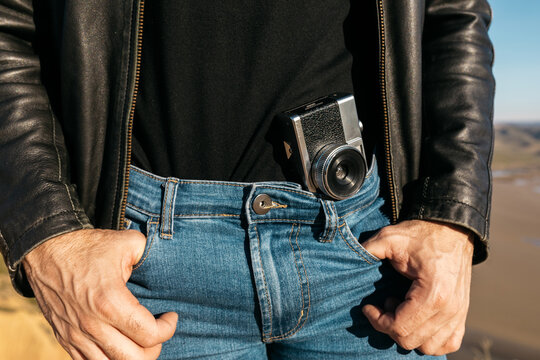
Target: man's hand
{"x": 438, "y": 260}
{"x": 79, "y": 280}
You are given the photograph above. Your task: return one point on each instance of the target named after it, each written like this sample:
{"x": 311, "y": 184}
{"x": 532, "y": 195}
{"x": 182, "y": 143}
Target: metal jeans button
{"x": 262, "y": 204}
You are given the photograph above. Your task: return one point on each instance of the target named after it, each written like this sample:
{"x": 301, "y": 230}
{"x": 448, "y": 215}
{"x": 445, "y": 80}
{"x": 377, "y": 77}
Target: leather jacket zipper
{"x": 382, "y": 80}
{"x": 129, "y": 139}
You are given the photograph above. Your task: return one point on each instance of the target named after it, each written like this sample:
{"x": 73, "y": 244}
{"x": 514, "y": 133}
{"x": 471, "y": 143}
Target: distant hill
{"x": 517, "y": 146}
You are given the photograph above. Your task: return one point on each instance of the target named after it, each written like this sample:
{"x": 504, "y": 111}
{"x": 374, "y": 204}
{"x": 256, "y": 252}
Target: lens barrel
{"x": 339, "y": 171}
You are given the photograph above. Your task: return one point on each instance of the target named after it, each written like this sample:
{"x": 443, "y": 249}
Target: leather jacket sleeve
{"x": 37, "y": 200}
{"x": 458, "y": 92}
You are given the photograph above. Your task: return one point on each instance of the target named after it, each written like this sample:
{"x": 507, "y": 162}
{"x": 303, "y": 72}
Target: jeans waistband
{"x": 170, "y": 198}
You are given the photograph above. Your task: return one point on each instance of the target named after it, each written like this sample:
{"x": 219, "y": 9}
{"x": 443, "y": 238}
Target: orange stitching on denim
{"x": 307, "y": 194}
{"x": 297, "y": 328}
{"x": 165, "y": 201}
{"x": 291, "y": 191}
{"x": 147, "y": 251}
{"x": 362, "y": 248}
{"x": 325, "y": 233}
{"x": 350, "y": 247}
{"x": 301, "y": 289}
{"x": 189, "y": 181}
{"x": 334, "y": 223}
{"x": 200, "y": 214}
{"x": 171, "y": 215}
{"x": 285, "y": 220}
{"x": 212, "y": 183}
{"x": 141, "y": 210}
{"x": 264, "y": 278}
{"x": 282, "y": 336}
{"x": 145, "y": 174}
{"x": 163, "y": 208}
{"x": 179, "y": 215}
{"x": 361, "y": 207}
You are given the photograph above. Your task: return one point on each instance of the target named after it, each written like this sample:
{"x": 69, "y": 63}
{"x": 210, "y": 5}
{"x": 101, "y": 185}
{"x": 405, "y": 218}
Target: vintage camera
{"x": 323, "y": 142}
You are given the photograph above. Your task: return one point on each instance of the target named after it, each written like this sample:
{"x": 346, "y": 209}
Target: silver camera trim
{"x": 321, "y": 177}
{"x": 352, "y": 133}
{"x": 304, "y": 156}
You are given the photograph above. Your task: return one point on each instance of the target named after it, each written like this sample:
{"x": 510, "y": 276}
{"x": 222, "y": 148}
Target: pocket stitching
{"x": 357, "y": 244}
{"x": 147, "y": 250}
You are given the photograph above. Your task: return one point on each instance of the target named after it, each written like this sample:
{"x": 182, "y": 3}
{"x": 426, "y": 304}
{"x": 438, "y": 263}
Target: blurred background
{"x": 504, "y": 317}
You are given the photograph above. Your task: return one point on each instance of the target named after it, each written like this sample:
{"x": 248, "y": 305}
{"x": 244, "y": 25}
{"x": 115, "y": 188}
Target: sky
{"x": 515, "y": 32}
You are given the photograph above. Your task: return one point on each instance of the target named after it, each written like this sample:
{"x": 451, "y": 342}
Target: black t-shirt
{"x": 215, "y": 73}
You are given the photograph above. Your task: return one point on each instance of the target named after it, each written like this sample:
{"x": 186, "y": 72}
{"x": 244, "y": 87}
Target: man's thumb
{"x": 377, "y": 245}
{"x": 138, "y": 244}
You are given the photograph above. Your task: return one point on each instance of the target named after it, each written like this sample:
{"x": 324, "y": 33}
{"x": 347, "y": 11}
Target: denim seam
{"x": 286, "y": 220}
{"x": 206, "y": 215}
{"x": 362, "y": 249}
{"x": 163, "y": 210}
{"x": 361, "y": 207}
{"x": 334, "y": 221}
{"x": 350, "y": 247}
{"x": 171, "y": 202}
{"x": 264, "y": 280}
{"x": 301, "y": 289}
{"x": 287, "y": 190}
{"x": 178, "y": 215}
{"x": 189, "y": 182}
{"x": 297, "y": 328}
{"x": 143, "y": 260}
{"x": 324, "y": 236}
{"x": 170, "y": 220}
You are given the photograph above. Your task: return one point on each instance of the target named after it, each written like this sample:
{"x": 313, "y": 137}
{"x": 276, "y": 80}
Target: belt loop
{"x": 167, "y": 210}
{"x": 331, "y": 221}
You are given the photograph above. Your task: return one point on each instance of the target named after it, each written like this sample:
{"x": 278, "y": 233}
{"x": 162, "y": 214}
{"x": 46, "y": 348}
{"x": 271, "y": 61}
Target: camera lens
{"x": 339, "y": 171}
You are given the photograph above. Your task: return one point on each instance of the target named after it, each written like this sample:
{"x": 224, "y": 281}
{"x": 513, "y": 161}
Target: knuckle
{"x": 149, "y": 341}
{"x": 152, "y": 353}
{"x": 104, "y": 307}
{"x": 125, "y": 354}
{"x": 134, "y": 234}
{"x": 441, "y": 299}
{"x": 453, "y": 344}
{"x": 135, "y": 325}
{"x": 385, "y": 232}
{"x": 400, "y": 332}
{"x": 406, "y": 344}
{"x": 428, "y": 349}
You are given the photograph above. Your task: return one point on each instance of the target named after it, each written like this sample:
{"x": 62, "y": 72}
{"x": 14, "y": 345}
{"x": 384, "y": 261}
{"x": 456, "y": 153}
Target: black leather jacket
{"x": 68, "y": 85}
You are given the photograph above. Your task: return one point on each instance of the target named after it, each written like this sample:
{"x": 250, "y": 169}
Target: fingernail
{"x": 364, "y": 310}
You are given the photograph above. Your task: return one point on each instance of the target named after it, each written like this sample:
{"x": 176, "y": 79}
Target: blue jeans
{"x": 282, "y": 276}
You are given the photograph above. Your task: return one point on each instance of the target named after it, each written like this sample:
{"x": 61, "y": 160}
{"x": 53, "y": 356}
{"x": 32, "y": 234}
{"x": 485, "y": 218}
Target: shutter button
{"x": 262, "y": 204}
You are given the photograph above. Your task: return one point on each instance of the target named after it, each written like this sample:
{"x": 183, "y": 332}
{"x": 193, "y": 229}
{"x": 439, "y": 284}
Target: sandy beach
{"x": 506, "y": 288}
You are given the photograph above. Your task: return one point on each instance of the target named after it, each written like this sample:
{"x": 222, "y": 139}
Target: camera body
{"x": 323, "y": 142}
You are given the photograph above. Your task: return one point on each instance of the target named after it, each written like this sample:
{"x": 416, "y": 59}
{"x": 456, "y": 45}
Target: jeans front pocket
{"x": 151, "y": 234}
{"x": 359, "y": 226}
{"x": 144, "y": 224}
